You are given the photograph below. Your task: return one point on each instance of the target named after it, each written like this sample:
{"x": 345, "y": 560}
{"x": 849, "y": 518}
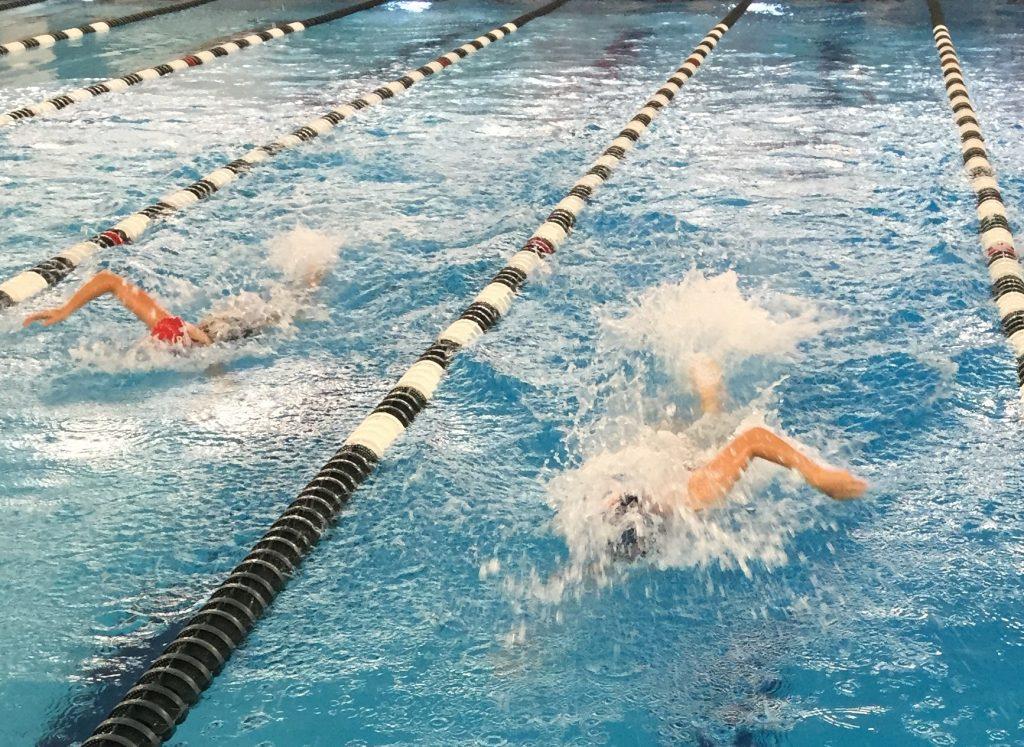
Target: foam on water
{"x": 146, "y": 354}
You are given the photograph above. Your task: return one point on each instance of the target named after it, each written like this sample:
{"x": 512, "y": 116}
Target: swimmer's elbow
{"x": 108, "y": 277}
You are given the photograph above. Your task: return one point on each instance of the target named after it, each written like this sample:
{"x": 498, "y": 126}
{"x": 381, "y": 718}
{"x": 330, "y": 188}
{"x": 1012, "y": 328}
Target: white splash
{"x": 303, "y": 255}
{"x": 628, "y": 439}
{"x": 768, "y": 9}
{"x": 413, "y": 6}
{"x": 657, "y": 465}
{"x": 710, "y": 317}
{"x": 243, "y": 314}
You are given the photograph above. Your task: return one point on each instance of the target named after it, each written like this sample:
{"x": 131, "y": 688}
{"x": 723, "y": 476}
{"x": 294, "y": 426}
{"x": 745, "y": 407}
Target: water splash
{"x": 750, "y": 528}
{"x": 629, "y": 439}
{"x": 303, "y": 255}
{"x": 709, "y": 316}
{"x": 768, "y": 9}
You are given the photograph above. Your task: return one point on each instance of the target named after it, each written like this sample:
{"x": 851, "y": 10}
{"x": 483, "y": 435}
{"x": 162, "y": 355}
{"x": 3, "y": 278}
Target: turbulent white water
{"x": 702, "y": 316}
{"x": 635, "y": 442}
{"x": 303, "y": 255}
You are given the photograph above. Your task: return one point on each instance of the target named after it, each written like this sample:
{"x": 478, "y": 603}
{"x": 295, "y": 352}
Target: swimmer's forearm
{"x": 198, "y": 335}
{"x": 100, "y": 284}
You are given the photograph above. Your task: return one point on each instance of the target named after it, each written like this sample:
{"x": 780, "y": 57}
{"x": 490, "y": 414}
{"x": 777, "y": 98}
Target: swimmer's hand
{"x": 198, "y": 335}
{"x": 837, "y": 483}
{"x": 48, "y": 317}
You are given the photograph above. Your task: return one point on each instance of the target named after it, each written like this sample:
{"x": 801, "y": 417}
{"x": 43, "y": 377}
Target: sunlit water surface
{"x": 813, "y": 155}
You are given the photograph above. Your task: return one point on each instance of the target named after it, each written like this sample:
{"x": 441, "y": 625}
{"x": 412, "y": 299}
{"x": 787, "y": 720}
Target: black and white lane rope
{"x": 1004, "y": 268}
{"x": 53, "y": 270}
{"x": 96, "y": 27}
{"x": 195, "y": 59}
{"x": 18, "y": 4}
{"x": 162, "y": 696}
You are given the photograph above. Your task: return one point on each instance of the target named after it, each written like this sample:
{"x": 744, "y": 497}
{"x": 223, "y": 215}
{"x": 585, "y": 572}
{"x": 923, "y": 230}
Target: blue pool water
{"x": 813, "y": 155}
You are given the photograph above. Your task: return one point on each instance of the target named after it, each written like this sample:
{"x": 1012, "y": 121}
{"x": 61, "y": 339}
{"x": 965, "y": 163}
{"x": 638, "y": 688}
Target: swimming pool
{"x": 813, "y": 155}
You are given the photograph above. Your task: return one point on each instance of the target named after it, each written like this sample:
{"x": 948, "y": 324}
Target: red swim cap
{"x": 170, "y": 329}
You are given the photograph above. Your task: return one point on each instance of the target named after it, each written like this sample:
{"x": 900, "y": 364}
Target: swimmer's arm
{"x": 47, "y": 317}
{"x": 706, "y": 375}
{"x": 133, "y": 298}
{"x": 197, "y": 335}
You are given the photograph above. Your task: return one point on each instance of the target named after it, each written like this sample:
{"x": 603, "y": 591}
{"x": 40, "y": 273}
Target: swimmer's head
{"x": 634, "y": 541}
{"x": 221, "y": 329}
{"x": 247, "y": 314}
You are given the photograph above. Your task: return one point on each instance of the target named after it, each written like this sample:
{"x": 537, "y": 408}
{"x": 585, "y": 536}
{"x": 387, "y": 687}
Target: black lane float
{"x": 96, "y": 27}
{"x": 53, "y": 270}
{"x": 150, "y": 711}
{"x": 1004, "y": 269}
{"x": 195, "y": 59}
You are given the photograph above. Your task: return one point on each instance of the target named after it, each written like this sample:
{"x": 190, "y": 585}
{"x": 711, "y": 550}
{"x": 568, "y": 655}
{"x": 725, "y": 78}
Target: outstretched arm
{"x": 712, "y": 482}
{"x": 706, "y": 375}
{"x": 133, "y": 298}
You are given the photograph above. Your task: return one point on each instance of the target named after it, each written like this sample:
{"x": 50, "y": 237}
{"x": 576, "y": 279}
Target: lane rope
{"x": 195, "y": 59}
{"x": 127, "y": 231}
{"x": 164, "y": 693}
{"x": 1004, "y": 268}
{"x": 96, "y": 27}
{"x": 18, "y": 4}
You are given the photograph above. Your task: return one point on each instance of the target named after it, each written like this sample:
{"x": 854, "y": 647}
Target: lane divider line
{"x": 18, "y": 4}
{"x": 174, "y": 682}
{"x": 1004, "y": 268}
{"x": 96, "y": 27}
{"x": 195, "y": 59}
{"x": 127, "y": 231}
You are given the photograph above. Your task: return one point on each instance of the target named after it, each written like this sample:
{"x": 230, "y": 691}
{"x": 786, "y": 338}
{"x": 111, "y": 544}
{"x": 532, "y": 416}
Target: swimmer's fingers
{"x": 55, "y": 315}
{"x": 46, "y": 316}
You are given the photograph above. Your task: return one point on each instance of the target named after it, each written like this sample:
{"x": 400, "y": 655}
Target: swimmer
{"x": 305, "y": 258}
{"x": 711, "y": 482}
{"x": 162, "y": 325}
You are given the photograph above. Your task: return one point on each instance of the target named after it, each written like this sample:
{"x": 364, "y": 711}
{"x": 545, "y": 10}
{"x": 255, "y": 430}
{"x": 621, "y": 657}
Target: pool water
{"x": 813, "y": 155}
